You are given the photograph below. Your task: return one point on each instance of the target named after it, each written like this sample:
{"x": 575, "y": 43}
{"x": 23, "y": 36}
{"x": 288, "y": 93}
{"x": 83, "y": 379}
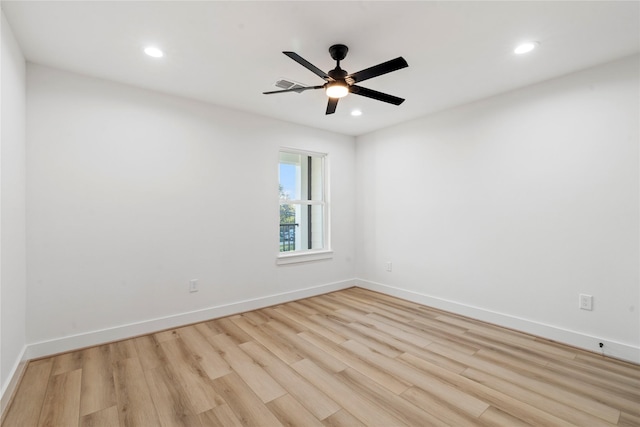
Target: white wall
{"x": 133, "y": 193}
{"x": 508, "y": 208}
{"x": 505, "y": 209}
{"x": 12, "y": 208}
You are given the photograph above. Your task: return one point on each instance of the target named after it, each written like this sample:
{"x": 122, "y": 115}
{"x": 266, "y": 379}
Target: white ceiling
{"x": 228, "y": 53}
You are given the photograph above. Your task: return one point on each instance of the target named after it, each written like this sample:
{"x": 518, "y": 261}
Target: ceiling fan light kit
{"x": 339, "y": 83}
{"x": 336, "y": 90}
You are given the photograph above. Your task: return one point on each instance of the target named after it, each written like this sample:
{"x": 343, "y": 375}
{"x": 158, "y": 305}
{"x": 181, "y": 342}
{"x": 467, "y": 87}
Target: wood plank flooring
{"x": 349, "y": 358}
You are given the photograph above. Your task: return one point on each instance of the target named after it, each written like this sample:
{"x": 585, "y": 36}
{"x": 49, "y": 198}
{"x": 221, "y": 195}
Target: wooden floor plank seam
{"x": 349, "y": 358}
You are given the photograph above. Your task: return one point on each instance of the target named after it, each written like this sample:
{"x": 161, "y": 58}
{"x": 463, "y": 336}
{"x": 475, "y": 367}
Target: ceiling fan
{"x": 339, "y": 83}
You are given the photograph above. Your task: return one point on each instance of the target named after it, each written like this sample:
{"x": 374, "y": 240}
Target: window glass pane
{"x": 317, "y": 225}
{"x": 288, "y": 237}
{"x": 290, "y": 176}
{"x": 287, "y": 213}
{"x": 316, "y": 174}
{"x": 302, "y": 204}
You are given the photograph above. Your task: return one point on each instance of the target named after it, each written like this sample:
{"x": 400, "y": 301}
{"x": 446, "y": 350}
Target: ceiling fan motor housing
{"x": 337, "y": 73}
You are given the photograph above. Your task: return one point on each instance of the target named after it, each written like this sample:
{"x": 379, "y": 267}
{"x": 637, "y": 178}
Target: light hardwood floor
{"x": 349, "y": 358}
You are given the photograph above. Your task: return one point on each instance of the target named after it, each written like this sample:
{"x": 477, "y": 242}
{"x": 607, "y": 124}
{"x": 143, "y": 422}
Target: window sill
{"x": 295, "y": 258}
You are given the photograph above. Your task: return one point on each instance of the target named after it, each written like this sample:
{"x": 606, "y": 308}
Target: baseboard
{"x": 9, "y": 388}
{"x": 60, "y": 345}
{"x": 88, "y": 339}
{"x": 613, "y": 349}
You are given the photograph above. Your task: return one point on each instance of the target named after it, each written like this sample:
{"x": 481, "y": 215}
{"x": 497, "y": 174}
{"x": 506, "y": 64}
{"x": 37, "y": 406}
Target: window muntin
{"x": 303, "y": 202}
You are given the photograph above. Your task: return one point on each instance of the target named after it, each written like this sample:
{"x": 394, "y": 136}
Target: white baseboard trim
{"x": 13, "y": 379}
{"x": 88, "y": 339}
{"x": 613, "y": 349}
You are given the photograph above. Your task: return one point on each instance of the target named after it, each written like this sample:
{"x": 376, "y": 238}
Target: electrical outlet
{"x": 586, "y": 302}
{"x": 387, "y": 266}
{"x": 193, "y": 285}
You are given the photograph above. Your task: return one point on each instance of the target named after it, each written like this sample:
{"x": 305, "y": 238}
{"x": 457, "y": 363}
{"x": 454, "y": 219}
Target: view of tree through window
{"x": 302, "y": 201}
{"x": 287, "y": 212}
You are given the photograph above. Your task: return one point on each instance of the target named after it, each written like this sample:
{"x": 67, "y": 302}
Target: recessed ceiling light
{"x": 153, "y": 51}
{"x": 356, "y": 113}
{"x": 525, "y": 47}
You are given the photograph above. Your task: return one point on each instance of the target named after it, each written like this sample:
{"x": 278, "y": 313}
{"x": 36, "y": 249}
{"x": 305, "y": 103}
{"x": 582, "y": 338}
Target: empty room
{"x": 340, "y": 213}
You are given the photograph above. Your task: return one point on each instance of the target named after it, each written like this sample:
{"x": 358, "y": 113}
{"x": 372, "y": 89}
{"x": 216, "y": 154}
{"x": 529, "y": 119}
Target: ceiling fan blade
{"x": 378, "y": 70}
{"x": 298, "y": 89}
{"x": 308, "y": 65}
{"x": 331, "y": 105}
{"x": 374, "y": 94}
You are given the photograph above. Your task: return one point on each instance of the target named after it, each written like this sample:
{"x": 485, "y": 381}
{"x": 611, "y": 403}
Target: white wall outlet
{"x": 193, "y": 285}
{"x": 387, "y": 266}
{"x": 586, "y": 302}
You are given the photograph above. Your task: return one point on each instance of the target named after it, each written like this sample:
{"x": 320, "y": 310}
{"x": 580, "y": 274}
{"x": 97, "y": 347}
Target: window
{"x": 303, "y": 206}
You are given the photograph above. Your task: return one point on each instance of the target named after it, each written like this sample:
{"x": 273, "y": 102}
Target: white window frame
{"x": 308, "y": 255}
